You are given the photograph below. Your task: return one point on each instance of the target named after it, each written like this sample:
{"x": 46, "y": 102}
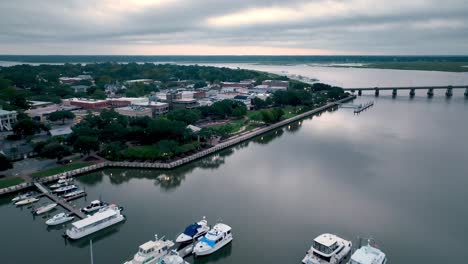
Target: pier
{"x": 62, "y": 202}
{"x": 363, "y": 107}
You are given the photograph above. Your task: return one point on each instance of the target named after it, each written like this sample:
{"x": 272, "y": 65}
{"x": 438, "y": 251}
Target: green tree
{"x": 54, "y": 151}
{"x": 27, "y": 127}
{"x": 258, "y": 103}
{"x": 61, "y": 115}
{"x": 184, "y": 115}
{"x": 99, "y": 94}
{"x": 5, "y": 163}
{"x": 86, "y": 144}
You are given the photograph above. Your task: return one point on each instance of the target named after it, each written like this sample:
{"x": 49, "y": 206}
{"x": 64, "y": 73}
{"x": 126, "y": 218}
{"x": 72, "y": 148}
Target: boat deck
{"x": 62, "y": 202}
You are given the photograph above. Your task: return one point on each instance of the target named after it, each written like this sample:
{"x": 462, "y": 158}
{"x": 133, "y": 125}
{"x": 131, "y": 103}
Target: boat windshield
{"x": 209, "y": 242}
{"x": 324, "y": 249}
{"x": 191, "y": 230}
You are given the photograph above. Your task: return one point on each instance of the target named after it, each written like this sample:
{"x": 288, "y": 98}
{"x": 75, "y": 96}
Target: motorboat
{"x": 152, "y": 252}
{"x": 59, "y": 219}
{"x": 328, "y": 249}
{"x": 368, "y": 254}
{"x": 23, "y": 196}
{"x": 93, "y": 206}
{"x": 61, "y": 184}
{"x": 65, "y": 188}
{"x": 45, "y": 208}
{"x": 219, "y": 236}
{"x": 73, "y": 194}
{"x": 193, "y": 231}
{"x": 64, "y": 180}
{"x": 173, "y": 258}
{"x": 104, "y": 218}
{"x": 27, "y": 201}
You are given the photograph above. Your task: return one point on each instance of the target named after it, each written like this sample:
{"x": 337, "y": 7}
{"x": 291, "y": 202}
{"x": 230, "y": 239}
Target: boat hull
{"x": 213, "y": 249}
{"x": 61, "y": 221}
{"x": 25, "y": 202}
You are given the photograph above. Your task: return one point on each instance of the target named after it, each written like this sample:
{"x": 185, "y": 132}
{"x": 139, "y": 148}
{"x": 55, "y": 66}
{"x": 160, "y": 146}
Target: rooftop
{"x": 5, "y": 112}
{"x": 94, "y": 218}
{"x": 152, "y": 244}
{"x": 60, "y": 131}
{"x": 326, "y": 239}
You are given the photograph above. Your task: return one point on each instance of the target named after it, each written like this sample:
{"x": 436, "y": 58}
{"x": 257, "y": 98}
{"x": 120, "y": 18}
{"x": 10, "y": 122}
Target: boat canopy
{"x": 100, "y": 216}
{"x": 192, "y": 229}
{"x": 209, "y": 242}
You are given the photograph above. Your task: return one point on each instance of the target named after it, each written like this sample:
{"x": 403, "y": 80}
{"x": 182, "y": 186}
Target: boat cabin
{"x": 368, "y": 255}
{"x": 94, "y": 220}
{"x": 325, "y": 246}
{"x": 150, "y": 247}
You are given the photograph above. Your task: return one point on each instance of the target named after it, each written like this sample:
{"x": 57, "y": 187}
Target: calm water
{"x": 397, "y": 172}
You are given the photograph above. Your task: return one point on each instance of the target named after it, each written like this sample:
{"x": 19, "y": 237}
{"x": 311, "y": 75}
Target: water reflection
{"x": 269, "y": 137}
{"x": 96, "y": 237}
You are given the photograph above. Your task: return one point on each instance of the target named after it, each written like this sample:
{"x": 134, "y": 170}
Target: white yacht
{"x": 23, "y": 196}
{"x": 93, "y": 206}
{"x": 152, "y": 252}
{"x": 65, "y": 188}
{"x": 193, "y": 231}
{"x": 368, "y": 255}
{"x": 27, "y": 201}
{"x": 328, "y": 249}
{"x": 59, "y": 219}
{"x": 105, "y": 217}
{"x": 64, "y": 179}
{"x": 61, "y": 184}
{"x": 74, "y": 193}
{"x": 173, "y": 258}
{"x": 45, "y": 208}
{"x": 219, "y": 236}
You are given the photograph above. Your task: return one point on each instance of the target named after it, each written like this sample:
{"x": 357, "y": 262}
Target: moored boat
{"x": 73, "y": 194}
{"x": 65, "y": 188}
{"x": 23, "y": 196}
{"x": 219, "y": 236}
{"x": 193, "y": 231}
{"x": 62, "y": 184}
{"x": 45, "y": 208}
{"x": 27, "y": 201}
{"x": 104, "y": 218}
{"x": 152, "y": 252}
{"x": 328, "y": 249}
{"x": 173, "y": 258}
{"x": 368, "y": 254}
{"x": 93, "y": 206}
{"x": 59, "y": 219}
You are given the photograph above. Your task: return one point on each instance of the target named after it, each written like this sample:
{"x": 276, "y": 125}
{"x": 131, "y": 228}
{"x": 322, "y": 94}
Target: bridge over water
{"x": 412, "y": 89}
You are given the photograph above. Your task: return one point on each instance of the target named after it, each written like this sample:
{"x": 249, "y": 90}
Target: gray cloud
{"x": 346, "y": 26}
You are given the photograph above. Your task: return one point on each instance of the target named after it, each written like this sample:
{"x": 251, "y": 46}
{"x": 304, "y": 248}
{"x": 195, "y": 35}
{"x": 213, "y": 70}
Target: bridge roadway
{"x": 59, "y": 200}
{"x": 408, "y": 88}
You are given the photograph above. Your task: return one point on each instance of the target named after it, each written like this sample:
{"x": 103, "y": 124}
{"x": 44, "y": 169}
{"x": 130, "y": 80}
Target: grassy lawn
{"x": 10, "y": 181}
{"x": 60, "y": 169}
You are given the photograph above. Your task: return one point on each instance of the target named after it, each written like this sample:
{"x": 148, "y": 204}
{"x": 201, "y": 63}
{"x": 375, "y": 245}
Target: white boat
{"x": 152, "y": 252}
{"x": 368, "y": 255}
{"x": 65, "y": 188}
{"x": 59, "y": 219}
{"x": 193, "y": 231}
{"x": 93, "y": 206}
{"x": 219, "y": 236}
{"x": 23, "y": 196}
{"x": 173, "y": 258}
{"x": 73, "y": 193}
{"x": 45, "y": 208}
{"x": 64, "y": 180}
{"x": 61, "y": 184}
{"x": 328, "y": 249}
{"x": 105, "y": 217}
{"x": 27, "y": 201}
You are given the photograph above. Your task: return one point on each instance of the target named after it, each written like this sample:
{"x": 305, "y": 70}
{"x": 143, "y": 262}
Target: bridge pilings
{"x": 412, "y": 92}
{"x": 377, "y": 92}
{"x": 394, "y": 92}
{"x": 466, "y": 93}
{"x": 359, "y": 92}
{"x": 449, "y": 92}
{"x": 430, "y": 92}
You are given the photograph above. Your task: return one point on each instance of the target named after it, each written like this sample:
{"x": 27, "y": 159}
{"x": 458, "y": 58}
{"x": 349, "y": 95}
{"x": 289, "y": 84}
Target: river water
{"x": 396, "y": 172}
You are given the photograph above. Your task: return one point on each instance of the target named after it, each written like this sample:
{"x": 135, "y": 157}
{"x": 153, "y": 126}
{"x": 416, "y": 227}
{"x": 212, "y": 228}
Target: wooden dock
{"x": 62, "y": 202}
{"x": 363, "y": 107}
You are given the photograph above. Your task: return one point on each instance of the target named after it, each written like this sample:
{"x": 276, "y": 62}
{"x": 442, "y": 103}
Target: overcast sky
{"x": 238, "y": 27}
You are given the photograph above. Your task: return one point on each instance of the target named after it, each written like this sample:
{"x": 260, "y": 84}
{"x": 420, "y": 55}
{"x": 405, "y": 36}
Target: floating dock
{"x": 62, "y": 202}
{"x": 363, "y": 107}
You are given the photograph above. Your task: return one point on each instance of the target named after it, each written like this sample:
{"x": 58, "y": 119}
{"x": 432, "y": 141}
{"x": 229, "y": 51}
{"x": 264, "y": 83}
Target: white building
{"x": 134, "y": 111}
{"x": 7, "y": 119}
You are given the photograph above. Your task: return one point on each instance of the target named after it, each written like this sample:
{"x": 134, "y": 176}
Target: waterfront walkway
{"x": 174, "y": 164}
{"x": 58, "y": 200}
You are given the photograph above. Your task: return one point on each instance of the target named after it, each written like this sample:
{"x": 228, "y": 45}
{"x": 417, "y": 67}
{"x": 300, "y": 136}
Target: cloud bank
{"x": 218, "y": 27}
